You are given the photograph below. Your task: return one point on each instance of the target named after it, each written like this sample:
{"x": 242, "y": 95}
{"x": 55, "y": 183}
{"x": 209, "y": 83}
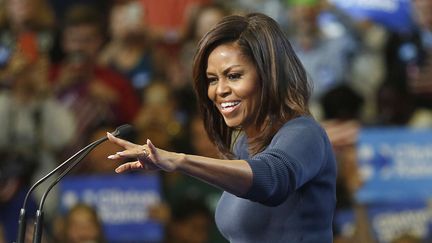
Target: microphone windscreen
{"x": 123, "y": 130}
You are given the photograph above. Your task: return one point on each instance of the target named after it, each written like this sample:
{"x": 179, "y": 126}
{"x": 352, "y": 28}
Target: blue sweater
{"x": 293, "y": 193}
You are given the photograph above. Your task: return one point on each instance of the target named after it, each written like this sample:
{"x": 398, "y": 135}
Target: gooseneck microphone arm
{"x": 69, "y": 168}
{"x": 22, "y": 216}
{"x": 120, "y": 131}
{"x": 38, "y": 224}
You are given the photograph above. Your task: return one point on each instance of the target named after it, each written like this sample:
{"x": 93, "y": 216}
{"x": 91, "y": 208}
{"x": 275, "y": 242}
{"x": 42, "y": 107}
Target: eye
{"x": 234, "y": 76}
{"x": 212, "y": 80}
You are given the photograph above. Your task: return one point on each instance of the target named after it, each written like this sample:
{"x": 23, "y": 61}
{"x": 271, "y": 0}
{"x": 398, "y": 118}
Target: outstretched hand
{"x": 147, "y": 156}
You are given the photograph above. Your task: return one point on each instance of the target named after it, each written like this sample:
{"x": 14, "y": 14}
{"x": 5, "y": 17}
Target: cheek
{"x": 253, "y": 98}
{"x": 211, "y": 92}
{"x": 249, "y": 90}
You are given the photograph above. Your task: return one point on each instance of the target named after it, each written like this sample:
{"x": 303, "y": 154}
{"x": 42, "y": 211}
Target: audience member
{"x": 342, "y": 107}
{"x": 158, "y": 118}
{"x": 185, "y": 187}
{"x": 407, "y": 51}
{"x": 61, "y": 7}
{"x": 35, "y": 128}
{"x": 314, "y": 49}
{"x": 403, "y": 55}
{"x": 190, "y": 223}
{"x": 95, "y": 94}
{"x": 395, "y": 105}
{"x": 165, "y": 23}
{"x": 272, "y": 8}
{"x": 200, "y": 20}
{"x": 368, "y": 67}
{"x": 420, "y": 81}
{"x": 423, "y": 18}
{"x": 131, "y": 50}
{"x": 26, "y": 26}
{"x": 178, "y": 187}
{"x": 342, "y": 103}
{"x": 362, "y": 75}
{"x": 82, "y": 224}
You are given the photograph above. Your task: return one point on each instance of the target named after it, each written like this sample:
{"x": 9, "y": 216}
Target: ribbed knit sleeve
{"x": 295, "y": 156}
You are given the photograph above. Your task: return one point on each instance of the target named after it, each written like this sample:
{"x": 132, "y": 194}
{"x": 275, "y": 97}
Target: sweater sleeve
{"x": 294, "y": 157}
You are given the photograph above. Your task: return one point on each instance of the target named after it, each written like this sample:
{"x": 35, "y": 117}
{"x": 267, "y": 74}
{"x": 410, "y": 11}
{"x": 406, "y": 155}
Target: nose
{"x": 223, "y": 88}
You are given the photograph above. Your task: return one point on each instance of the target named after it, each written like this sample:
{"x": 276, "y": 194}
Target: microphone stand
{"x": 38, "y": 225}
{"x": 22, "y": 224}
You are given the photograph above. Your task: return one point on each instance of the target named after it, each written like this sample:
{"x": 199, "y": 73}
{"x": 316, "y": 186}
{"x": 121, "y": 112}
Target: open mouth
{"x": 229, "y": 106}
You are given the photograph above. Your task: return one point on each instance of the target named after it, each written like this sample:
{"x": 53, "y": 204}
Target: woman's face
{"x": 233, "y": 86}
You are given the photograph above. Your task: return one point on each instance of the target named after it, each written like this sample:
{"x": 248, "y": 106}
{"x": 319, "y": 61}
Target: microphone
{"x": 78, "y": 156}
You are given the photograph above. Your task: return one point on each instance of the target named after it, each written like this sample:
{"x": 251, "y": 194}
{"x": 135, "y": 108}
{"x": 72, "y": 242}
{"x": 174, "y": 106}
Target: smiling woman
{"x": 284, "y": 90}
{"x": 278, "y": 170}
{"x": 233, "y": 86}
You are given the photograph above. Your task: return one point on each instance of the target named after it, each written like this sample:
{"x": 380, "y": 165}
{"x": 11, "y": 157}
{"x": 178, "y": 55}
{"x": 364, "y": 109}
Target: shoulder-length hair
{"x": 283, "y": 81}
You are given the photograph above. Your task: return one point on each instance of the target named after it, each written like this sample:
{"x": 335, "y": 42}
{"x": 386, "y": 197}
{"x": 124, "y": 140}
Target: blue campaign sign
{"x": 121, "y": 201}
{"x": 393, "y": 14}
{"x": 388, "y": 221}
{"x": 395, "y": 164}
{"x": 391, "y": 221}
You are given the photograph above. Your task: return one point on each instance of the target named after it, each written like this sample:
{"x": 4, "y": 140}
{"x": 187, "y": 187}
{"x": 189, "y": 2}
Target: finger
{"x": 114, "y": 156}
{"x": 130, "y": 166}
{"x": 132, "y": 153}
{"x": 152, "y": 148}
{"x": 128, "y": 154}
{"x": 121, "y": 142}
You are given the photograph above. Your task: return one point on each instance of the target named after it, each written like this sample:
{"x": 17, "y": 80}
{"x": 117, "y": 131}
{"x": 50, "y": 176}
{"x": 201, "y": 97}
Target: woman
{"x": 279, "y": 171}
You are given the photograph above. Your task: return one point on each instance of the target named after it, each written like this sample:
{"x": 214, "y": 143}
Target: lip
{"x": 226, "y": 111}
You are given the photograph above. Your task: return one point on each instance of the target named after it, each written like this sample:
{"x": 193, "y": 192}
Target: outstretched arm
{"x": 234, "y": 176}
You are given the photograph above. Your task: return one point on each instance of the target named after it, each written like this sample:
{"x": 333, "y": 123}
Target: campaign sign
{"x": 121, "y": 201}
{"x": 393, "y": 14}
{"x": 395, "y": 164}
{"x": 389, "y": 221}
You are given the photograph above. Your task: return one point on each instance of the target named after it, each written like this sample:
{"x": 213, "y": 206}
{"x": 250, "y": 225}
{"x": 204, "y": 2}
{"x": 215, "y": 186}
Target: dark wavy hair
{"x": 285, "y": 90}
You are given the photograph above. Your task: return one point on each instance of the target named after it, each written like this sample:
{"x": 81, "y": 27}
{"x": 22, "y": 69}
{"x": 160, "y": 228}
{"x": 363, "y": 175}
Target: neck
{"x": 254, "y": 130}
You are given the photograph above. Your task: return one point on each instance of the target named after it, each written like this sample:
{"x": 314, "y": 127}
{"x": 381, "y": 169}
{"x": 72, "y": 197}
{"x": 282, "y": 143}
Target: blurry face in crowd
{"x": 126, "y": 19}
{"x": 20, "y": 11}
{"x": 206, "y": 20}
{"x": 82, "y": 227}
{"x": 305, "y": 18}
{"x": 423, "y": 11}
{"x": 233, "y": 86}
{"x": 85, "y": 39}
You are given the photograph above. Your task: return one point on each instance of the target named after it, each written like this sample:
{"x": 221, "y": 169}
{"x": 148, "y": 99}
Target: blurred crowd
{"x": 72, "y": 70}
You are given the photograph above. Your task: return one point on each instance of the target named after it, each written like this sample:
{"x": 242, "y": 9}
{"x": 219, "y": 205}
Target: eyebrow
{"x": 226, "y": 71}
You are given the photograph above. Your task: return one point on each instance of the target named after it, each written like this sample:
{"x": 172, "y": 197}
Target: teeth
{"x": 228, "y": 104}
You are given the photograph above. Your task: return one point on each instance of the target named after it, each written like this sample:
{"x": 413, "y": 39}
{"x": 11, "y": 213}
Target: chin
{"x": 232, "y": 124}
